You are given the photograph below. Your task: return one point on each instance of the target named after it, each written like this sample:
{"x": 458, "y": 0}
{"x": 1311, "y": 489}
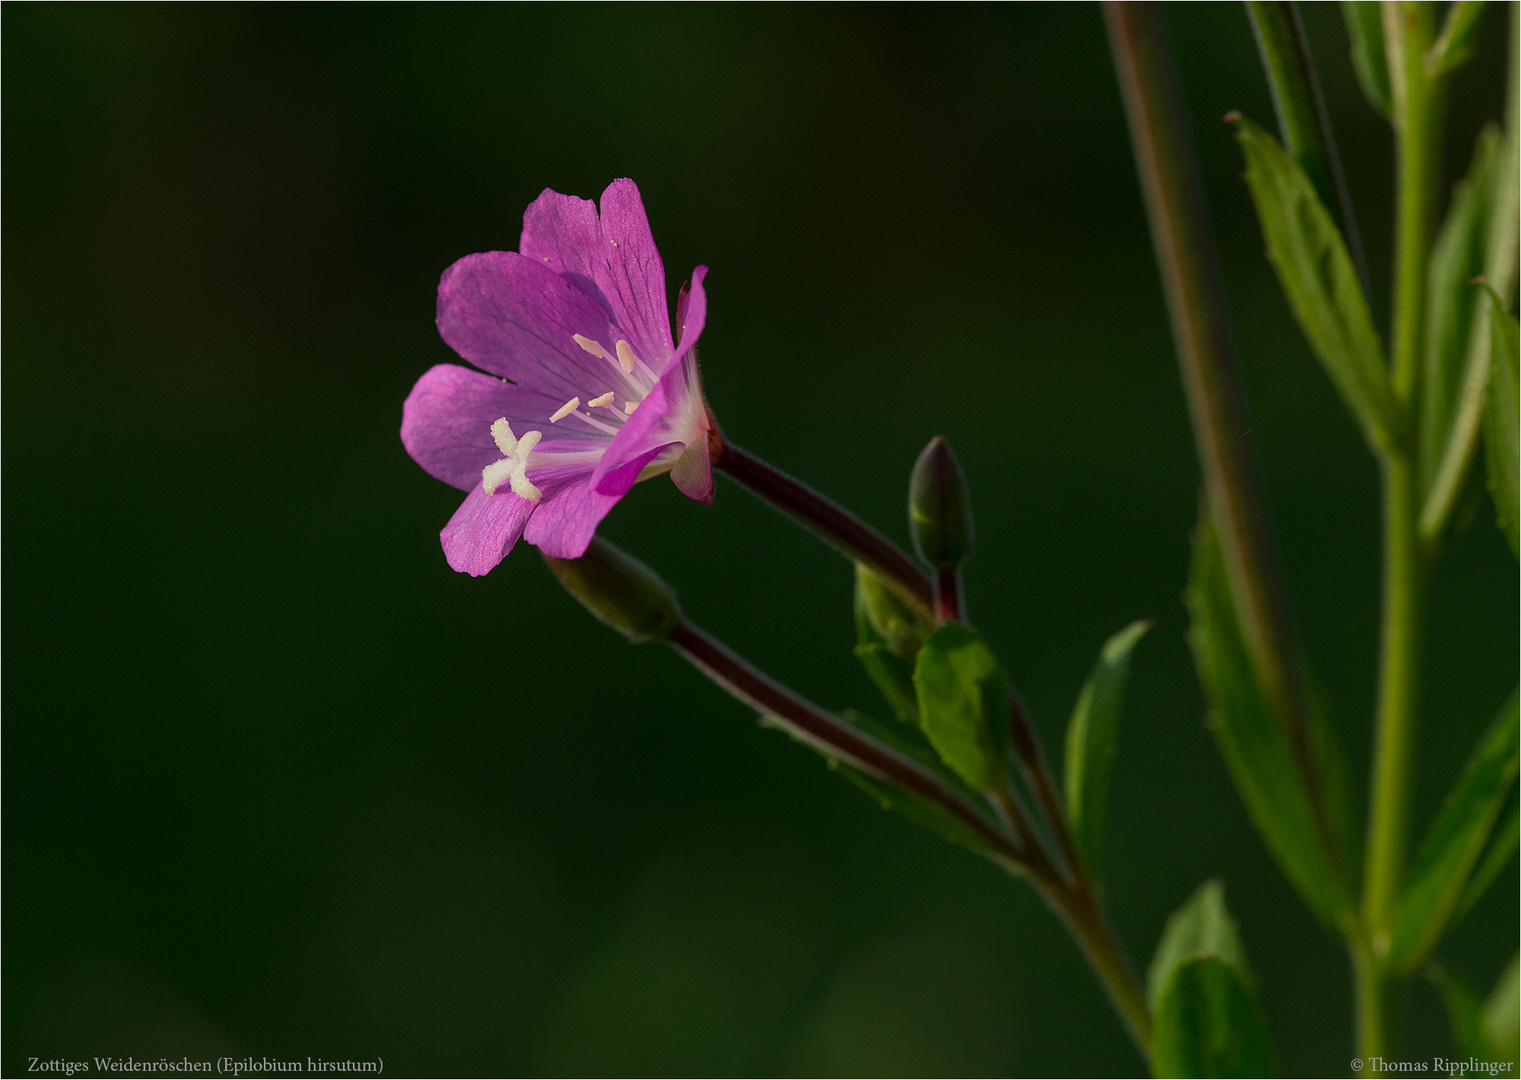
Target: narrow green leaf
{"x": 1365, "y": 26}
{"x": 1201, "y": 927}
{"x": 1253, "y": 744}
{"x": 881, "y": 616}
{"x": 894, "y": 677}
{"x": 1454, "y": 45}
{"x": 1091, "y": 736}
{"x": 1465, "y": 1013}
{"x": 1497, "y": 854}
{"x": 1502, "y": 1013}
{"x": 1208, "y": 1024}
{"x": 964, "y": 705}
{"x": 1200, "y": 989}
{"x": 1502, "y": 423}
{"x": 1317, "y": 274}
{"x": 1456, "y": 257}
{"x": 1457, "y": 838}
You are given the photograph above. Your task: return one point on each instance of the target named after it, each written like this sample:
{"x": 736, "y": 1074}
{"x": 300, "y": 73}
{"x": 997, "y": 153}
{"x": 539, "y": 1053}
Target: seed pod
{"x": 621, "y": 591}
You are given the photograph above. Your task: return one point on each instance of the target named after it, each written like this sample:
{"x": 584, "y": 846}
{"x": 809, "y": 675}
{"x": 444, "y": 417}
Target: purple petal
{"x": 693, "y": 472}
{"x": 483, "y": 530}
{"x": 518, "y": 319}
{"x": 613, "y": 259}
{"x": 446, "y": 422}
{"x": 567, "y": 518}
{"x": 673, "y": 412}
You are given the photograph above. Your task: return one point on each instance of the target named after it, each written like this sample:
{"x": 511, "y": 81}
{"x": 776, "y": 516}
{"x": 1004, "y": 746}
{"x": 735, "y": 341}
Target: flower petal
{"x": 483, "y": 530}
{"x": 567, "y": 518}
{"x": 613, "y": 259}
{"x": 518, "y": 319}
{"x": 693, "y": 472}
{"x": 673, "y": 412}
{"x": 446, "y": 423}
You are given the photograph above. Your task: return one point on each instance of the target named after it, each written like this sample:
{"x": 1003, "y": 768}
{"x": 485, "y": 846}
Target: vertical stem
{"x": 1418, "y": 104}
{"x": 1195, "y": 290}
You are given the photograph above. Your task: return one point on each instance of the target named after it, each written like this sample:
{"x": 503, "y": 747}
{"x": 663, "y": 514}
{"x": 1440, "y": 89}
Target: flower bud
{"x": 940, "y": 507}
{"x": 881, "y": 613}
{"x": 620, "y": 590}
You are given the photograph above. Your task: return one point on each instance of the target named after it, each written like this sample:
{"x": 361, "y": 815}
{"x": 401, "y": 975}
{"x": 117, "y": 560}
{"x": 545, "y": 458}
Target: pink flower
{"x": 599, "y": 395}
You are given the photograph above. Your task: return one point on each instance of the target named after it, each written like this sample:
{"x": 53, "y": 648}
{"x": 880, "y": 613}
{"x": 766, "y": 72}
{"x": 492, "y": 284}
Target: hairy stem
{"x": 1195, "y": 291}
{"x": 837, "y": 526}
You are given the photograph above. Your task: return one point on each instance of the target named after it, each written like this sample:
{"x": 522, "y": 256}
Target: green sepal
{"x": 1318, "y": 277}
{"x": 963, "y": 700}
{"x": 1454, "y": 46}
{"x": 1456, "y": 257}
{"x": 1365, "y": 27}
{"x": 1452, "y": 848}
{"x": 1252, "y": 742}
{"x": 1502, "y": 422}
{"x": 1091, "y": 736}
{"x": 1200, "y": 988}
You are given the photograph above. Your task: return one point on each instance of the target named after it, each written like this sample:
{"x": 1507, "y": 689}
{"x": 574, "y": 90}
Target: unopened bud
{"x": 940, "y": 507}
{"x": 620, "y": 590}
{"x": 886, "y": 616}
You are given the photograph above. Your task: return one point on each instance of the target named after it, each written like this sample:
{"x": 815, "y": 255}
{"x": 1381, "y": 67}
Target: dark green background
{"x": 277, "y": 782}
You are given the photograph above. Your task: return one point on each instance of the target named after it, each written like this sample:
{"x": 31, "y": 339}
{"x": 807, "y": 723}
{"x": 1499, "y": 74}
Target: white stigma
{"x": 605, "y": 399}
{"x": 626, "y": 357}
{"x": 514, "y": 467}
{"x": 592, "y": 347}
{"x": 565, "y": 410}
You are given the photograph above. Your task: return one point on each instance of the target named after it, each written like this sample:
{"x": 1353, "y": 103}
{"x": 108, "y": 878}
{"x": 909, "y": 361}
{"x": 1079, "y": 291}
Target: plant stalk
{"x": 1195, "y": 290}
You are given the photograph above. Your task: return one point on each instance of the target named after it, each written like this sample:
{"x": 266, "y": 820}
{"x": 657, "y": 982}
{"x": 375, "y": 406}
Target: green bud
{"x": 620, "y": 590}
{"x": 940, "y": 507}
{"x": 882, "y": 616}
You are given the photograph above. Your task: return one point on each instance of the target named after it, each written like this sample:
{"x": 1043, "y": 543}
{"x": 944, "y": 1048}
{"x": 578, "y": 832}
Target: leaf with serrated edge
{"x": 1252, "y": 743}
{"x": 1201, "y": 927}
{"x": 1208, "y": 1023}
{"x": 1091, "y": 737}
{"x": 964, "y": 705}
{"x": 1320, "y": 281}
{"x": 1454, "y": 844}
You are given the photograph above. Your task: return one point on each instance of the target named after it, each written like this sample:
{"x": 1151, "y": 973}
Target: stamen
{"x": 565, "y": 410}
{"x": 628, "y": 410}
{"x": 605, "y": 399}
{"x": 626, "y": 357}
{"x": 501, "y": 431}
{"x": 592, "y": 347}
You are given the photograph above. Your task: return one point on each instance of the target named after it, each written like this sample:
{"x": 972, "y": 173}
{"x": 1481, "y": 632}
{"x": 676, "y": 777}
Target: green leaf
{"x": 1497, "y": 854}
{"x": 894, "y": 676}
{"x": 1502, "y": 425}
{"x": 1487, "y": 1030}
{"x": 1253, "y": 744}
{"x": 1456, "y": 257}
{"x": 1208, "y": 1024}
{"x": 1365, "y": 26}
{"x": 1454, "y": 45}
{"x": 1201, "y": 927}
{"x": 1091, "y": 737}
{"x": 1451, "y": 849}
{"x": 1465, "y": 1013}
{"x": 1317, "y": 274}
{"x": 882, "y": 617}
{"x": 1200, "y": 990}
{"x": 964, "y": 705}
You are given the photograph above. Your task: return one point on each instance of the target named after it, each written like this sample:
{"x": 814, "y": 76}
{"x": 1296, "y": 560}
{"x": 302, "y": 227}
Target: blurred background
{"x": 278, "y": 782}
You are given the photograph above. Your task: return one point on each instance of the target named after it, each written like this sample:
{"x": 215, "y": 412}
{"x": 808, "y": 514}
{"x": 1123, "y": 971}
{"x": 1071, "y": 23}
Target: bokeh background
{"x": 277, "y": 782}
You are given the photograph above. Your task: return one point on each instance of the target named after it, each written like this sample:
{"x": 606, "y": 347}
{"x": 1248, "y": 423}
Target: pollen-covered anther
{"x": 605, "y": 399}
{"x": 628, "y": 410}
{"x": 565, "y": 410}
{"x": 593, "y": 347}
{"x": 626, "y": 357}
